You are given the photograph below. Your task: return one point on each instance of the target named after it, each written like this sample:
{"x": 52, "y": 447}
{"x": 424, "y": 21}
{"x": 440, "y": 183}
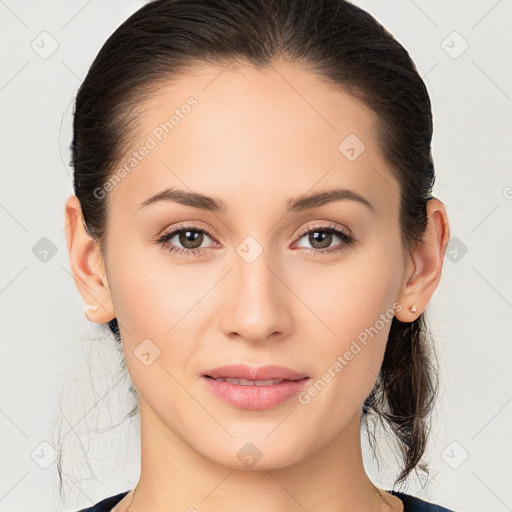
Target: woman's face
{"x": 258, "y": 282}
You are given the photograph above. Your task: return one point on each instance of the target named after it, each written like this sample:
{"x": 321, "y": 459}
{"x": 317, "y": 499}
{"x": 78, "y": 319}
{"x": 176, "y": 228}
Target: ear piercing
{"x": 94, "y": 307}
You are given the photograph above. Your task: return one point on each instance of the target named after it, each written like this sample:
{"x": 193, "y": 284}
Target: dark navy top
{"x": 411, "y": 503}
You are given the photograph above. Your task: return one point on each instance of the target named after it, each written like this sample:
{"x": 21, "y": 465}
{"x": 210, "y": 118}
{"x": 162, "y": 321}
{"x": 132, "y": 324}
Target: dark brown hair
{"x": 343, "y": 45}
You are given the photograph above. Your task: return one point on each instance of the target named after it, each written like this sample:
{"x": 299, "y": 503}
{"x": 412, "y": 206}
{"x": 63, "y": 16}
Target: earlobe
{"x": 87, "y": 265}
{"x": 424, "y": 267}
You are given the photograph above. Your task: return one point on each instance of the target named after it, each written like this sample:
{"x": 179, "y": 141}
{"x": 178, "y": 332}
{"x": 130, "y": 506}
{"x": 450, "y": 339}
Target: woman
{"x": 253, "y": 217}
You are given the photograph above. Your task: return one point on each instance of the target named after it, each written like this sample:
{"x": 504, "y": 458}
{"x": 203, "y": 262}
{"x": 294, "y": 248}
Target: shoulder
{"x": 106, "y": 504}
{"x": 414, "y": 504}
{"x": 411, "y": 503}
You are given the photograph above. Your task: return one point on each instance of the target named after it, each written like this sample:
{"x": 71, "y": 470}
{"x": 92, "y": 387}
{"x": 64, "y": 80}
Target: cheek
{"x": 151, "y": 303}
{"x": 158, "y": 307}
{"x": 351, "y": 296}
{"x": 349, "y": 365}
{"x": 152, "y": 295}
{"x": 358, "y": 310}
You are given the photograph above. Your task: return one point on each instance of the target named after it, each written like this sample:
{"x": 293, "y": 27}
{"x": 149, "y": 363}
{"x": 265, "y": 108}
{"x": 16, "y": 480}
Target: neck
{"x": 176, "y": 477}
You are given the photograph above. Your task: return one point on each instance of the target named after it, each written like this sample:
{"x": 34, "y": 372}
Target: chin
{"x": 260, "y": 454}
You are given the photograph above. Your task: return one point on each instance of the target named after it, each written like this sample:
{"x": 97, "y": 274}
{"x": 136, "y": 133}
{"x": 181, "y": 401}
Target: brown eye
{"x": 321, "y": 237}
{"x": 190, "y": 239}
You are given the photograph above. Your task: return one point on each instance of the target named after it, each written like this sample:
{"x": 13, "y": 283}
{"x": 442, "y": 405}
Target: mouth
{"x": 248, "y": 382}
{"x": 249, "y": 376}
{"x": 248, "y": 388}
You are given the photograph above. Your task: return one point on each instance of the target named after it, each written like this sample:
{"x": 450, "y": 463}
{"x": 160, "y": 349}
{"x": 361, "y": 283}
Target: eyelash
{"x": 347, "y": 239}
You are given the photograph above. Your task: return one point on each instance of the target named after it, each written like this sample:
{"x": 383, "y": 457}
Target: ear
{"x": 87, "y": 265}
{"x": 424, "y": 266}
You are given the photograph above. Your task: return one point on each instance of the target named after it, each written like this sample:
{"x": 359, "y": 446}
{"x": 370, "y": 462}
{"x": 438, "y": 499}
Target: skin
{"x": 256, "y": 139}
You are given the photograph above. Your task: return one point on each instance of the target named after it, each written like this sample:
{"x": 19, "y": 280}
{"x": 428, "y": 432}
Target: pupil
{"x": 325, "y": 238}
{"x": 188, "y": 237}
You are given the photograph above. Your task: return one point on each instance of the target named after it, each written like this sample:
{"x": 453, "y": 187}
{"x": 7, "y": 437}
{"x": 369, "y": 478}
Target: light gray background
{"x": 58, "y": 371}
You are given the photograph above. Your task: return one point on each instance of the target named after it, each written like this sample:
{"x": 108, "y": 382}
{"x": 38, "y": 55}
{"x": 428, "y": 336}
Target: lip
{"x": 254, "y": 397}
{"x": 242, "y": 371}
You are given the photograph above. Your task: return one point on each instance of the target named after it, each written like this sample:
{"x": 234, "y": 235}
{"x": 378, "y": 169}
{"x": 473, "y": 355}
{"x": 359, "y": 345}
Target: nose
{"x": 256, "y": 301}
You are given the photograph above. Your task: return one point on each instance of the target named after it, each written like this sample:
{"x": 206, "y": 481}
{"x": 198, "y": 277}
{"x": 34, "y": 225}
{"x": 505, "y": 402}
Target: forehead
{"x": 280, "y": 130}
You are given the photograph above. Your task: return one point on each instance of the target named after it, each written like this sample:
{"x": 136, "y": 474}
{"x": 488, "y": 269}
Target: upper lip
{"x": 242, "y": 371}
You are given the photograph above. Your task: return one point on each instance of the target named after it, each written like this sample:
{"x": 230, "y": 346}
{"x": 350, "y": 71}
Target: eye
{"x": 321, "y": 237}
{"x": 191, "y": 239}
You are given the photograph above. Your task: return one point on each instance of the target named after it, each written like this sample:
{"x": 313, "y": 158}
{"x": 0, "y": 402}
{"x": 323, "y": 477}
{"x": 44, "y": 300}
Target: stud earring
{"x": 413, "y": 309}
{"x": 90, "y": 306}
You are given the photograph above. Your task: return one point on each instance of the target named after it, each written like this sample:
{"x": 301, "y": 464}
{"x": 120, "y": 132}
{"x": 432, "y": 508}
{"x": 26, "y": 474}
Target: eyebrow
{"x": 297, "y": 204}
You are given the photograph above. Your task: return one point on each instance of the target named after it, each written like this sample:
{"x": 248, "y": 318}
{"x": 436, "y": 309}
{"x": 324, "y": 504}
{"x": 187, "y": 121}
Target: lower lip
{"x": 255, "y": 397}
